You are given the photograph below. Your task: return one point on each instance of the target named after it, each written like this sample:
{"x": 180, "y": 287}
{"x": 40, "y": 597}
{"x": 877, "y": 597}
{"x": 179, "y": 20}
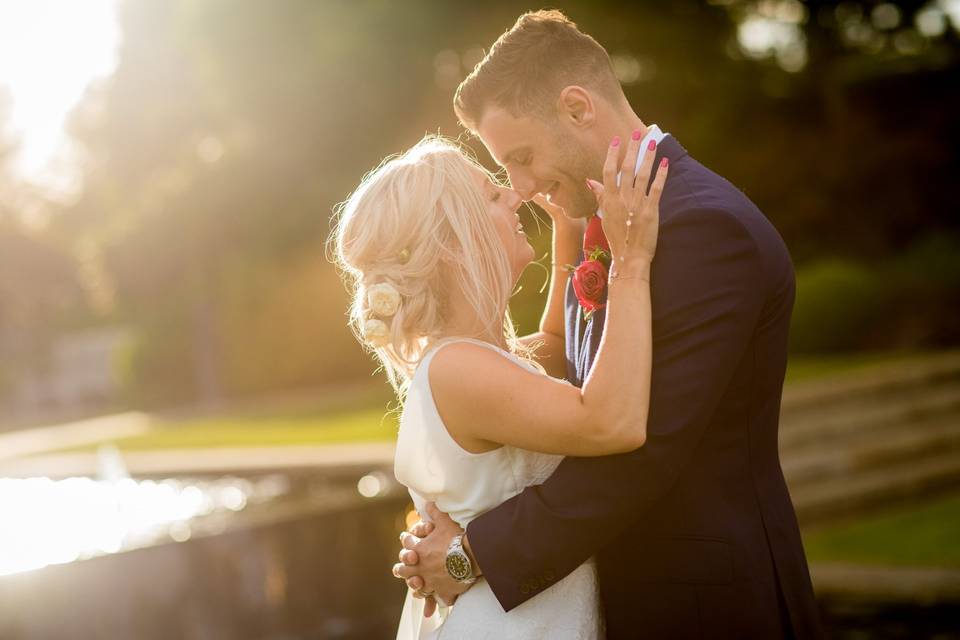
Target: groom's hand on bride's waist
{"x": 423, "y": 559}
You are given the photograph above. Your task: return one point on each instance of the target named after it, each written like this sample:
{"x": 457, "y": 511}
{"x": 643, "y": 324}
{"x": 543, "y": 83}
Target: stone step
{"x": 909, "y": 441}
{"x": 893, "y": 585}
{"x": 833, "y": 497}
{"x": 874, "y": 381}
{"x": 835, "y": 422}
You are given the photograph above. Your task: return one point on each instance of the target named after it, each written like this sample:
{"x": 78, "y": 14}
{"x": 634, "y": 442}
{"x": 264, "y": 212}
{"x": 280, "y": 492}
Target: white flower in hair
{"x": 376, "y": 332}
{"x": 383, "y": 299}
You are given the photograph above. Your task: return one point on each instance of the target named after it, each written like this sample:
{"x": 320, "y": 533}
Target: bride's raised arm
{"x": 550, "y": 340}
{"x": 484, "y": 397}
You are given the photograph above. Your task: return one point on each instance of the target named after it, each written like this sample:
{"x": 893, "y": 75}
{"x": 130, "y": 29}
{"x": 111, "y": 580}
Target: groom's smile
{"x": 538, "y": 159}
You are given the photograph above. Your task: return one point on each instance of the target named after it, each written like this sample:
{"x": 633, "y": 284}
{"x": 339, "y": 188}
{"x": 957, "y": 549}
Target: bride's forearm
{"x": 549, "y": 342}
{"x": 567, "y": 240}
{"x": 618, "y": 386}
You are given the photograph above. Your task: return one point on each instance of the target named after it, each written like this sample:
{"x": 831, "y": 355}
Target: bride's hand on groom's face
{"x": 630, "y": 212}
{"x": 557, "y": 215}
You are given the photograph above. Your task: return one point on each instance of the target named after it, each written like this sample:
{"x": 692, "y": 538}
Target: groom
{"x": 694, "y": 534}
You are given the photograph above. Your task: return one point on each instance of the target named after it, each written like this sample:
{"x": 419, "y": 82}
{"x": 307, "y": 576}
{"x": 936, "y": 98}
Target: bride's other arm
{"x": 485, "y": 399}
{"x": 550, "y": 340}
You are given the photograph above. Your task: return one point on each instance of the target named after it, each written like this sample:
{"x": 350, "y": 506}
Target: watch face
{"x": 458, "y": 565}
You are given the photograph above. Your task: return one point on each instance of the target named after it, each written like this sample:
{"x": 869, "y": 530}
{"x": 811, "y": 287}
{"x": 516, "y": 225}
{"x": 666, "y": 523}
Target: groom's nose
{"x": 523, "y": 184}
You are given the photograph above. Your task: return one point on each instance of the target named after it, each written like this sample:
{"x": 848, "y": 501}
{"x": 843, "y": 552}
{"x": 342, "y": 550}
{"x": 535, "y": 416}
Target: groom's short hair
{"x": 530, "y": 64}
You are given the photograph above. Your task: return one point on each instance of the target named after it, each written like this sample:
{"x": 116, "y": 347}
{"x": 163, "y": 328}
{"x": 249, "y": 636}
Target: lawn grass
{"x": 922, "y": 535}
{"x": 361, "y": 425}
{"x": 363, "y": 415}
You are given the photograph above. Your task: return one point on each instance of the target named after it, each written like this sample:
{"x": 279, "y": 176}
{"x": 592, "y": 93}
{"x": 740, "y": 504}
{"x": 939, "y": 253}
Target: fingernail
{"x": 664, "y": 163}
{"x": 615, "y": 142}
{"x": 636, "y": 134}
{"x": 652, "y": 145}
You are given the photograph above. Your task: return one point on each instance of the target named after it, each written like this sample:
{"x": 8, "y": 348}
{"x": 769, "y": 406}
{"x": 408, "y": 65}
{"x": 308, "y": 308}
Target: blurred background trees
{"x": 214, "y": 155}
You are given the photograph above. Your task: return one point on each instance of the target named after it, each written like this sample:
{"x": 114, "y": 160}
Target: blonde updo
{"x": 406, "y": 225}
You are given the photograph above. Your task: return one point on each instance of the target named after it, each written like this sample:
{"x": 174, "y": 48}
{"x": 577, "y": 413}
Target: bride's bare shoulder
{"x": 465, "y": 362}
{"x": 464, "y": 378}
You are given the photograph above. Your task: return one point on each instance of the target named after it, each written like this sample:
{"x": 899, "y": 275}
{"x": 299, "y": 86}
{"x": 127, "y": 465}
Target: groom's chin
{"x": 583, "y": 205}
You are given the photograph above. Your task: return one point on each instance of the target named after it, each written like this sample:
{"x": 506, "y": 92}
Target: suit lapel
{"x": 583, "y": 338}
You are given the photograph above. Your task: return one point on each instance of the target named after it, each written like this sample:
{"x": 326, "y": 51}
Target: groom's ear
{"x": 575, "y": 106}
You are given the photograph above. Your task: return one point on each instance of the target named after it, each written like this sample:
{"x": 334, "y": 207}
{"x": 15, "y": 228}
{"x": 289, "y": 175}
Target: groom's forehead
{"x": 505, "y": 135}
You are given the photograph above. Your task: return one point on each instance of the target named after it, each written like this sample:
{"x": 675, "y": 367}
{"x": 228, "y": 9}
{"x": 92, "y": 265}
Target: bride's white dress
{"x": 463, "y": 484}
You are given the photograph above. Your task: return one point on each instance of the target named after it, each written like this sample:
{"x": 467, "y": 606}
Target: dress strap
{"x": 453, "y": 339}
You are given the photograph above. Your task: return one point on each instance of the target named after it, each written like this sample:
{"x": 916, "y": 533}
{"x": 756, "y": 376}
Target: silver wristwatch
{"x": 458, "y": 562}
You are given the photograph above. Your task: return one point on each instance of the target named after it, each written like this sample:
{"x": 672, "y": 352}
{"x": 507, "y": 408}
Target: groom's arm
{"x": 707, "y": 299}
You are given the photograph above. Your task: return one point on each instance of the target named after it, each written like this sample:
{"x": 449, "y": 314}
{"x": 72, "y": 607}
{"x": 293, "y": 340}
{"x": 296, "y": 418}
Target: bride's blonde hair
{"x": 410, "y": 220}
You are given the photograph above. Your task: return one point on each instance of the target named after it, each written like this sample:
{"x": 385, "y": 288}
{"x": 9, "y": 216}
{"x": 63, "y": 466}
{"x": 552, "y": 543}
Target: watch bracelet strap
{"x": 456, "y": 544}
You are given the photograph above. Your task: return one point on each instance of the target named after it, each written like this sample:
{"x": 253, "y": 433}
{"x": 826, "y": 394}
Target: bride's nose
{"x": 514, "y": 199}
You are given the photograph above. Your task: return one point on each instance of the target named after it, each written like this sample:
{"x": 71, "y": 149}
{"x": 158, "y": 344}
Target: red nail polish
{"x": 652, "y": 145}
{"x": 664, "y": 163}
{"x": 615, "y": 142}
{"x": 636, "y": 134}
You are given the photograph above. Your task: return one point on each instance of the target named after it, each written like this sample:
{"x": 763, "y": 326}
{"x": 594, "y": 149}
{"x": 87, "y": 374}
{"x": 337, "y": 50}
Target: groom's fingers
{"x": 404, "y": 572}
{"x": 409, "y": 557}
{"x": 408, "y": 541}
{"x": 415, "y": 583}
{"x": 421, "y": 529}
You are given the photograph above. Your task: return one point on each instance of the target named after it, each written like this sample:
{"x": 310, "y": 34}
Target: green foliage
{"x": 838, "y": 304}
{"x": 908, "y": 301}
{"x": 227, "y": 134}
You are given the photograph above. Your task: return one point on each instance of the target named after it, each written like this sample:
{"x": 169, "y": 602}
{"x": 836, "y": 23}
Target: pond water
{"x": 48, "y": 521}
{"x": 270, "y": 556}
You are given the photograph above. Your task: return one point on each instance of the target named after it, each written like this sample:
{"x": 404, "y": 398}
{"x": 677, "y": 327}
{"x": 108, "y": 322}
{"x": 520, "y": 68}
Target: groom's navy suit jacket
{"x": 694, "y": 534}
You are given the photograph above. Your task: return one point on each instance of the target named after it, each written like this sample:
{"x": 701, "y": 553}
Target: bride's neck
{"x": 464, "y": 322}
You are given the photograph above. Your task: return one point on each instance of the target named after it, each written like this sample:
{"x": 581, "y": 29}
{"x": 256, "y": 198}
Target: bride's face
{"x": 502, "y": 204}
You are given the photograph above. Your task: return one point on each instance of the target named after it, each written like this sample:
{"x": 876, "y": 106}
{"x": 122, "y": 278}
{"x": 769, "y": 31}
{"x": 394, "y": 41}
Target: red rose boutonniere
{"x": 590, "y": 277}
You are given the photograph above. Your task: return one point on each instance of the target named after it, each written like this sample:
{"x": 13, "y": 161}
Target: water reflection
{"x": 46, "y": 521}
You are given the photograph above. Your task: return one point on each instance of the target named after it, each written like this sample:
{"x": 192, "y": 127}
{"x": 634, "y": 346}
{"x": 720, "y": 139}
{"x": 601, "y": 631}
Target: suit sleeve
{"x": 707, "y": 299}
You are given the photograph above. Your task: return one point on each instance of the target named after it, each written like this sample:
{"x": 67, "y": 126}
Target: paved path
{"x": 879, "y": 585}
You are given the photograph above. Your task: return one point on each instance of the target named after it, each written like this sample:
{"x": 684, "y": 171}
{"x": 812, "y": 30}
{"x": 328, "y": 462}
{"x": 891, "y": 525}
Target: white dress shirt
{"x": 653, "y": 133}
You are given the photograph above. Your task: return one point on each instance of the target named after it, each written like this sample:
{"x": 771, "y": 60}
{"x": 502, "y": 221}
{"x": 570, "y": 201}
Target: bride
{"x": 432, "y": 247}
